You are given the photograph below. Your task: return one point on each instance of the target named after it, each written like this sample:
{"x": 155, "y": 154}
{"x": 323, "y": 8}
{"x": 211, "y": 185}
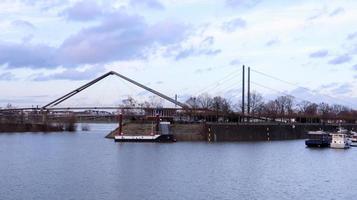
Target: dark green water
{"x": 84, "y": 165}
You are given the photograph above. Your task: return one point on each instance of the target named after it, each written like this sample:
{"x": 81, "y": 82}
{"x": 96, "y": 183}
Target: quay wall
{"x": 234, "y": 132}
{"x": 264, "y": 132}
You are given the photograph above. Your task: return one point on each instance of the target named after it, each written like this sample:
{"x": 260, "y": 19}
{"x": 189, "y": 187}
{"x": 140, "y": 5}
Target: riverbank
{"x": 27, "y": 127}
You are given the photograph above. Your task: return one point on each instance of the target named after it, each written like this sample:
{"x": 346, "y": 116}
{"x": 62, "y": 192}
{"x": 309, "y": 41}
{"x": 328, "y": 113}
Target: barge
{"x": 145, "y": 138}
{"x": 318, "y": 139}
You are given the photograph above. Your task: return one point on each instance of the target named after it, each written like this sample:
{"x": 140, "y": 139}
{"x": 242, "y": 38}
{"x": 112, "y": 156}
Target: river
{"x": 85, "y": 165}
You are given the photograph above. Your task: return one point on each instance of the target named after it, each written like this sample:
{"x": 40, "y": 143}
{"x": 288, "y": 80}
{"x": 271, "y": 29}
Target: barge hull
{"x": 317, "y": 143}
{"x": 158, "y": 138}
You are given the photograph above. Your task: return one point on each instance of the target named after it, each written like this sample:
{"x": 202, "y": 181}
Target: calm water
{"x": 84, "y": 165}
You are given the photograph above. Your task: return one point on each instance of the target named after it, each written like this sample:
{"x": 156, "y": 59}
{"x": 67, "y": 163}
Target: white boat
{"x": 353, "y": 138}
{"x": 340, "y": 141}
{"x": 342, "y": 130}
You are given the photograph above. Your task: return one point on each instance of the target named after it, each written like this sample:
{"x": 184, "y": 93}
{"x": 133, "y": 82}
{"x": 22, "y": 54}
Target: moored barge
{"x": 318, "y": 139}
{"x": 145, "y": 138}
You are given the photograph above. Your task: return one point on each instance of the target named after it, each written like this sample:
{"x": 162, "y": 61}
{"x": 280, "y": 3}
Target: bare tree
{"x": 156, "y": 101}
{"x": 256, "y": 103}
{"x": 337, "y": 109}
{"x": 271, "y": 109}
{"x": 129, "y": 102}
{"x": 9, "y": 106}
{"x": 204, "y": 101}
{"x": 221, "y": 104}
{"x": 285, "y": 104}
{"x": 324, "y": 109}
{"x": 308, "y": 108}
{"x": 237, "y": 107}
{"x": 192, "y": 102}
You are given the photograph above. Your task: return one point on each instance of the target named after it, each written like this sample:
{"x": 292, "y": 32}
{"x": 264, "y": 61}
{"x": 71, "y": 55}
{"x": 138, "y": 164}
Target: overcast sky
{"x": 184, "y": 47}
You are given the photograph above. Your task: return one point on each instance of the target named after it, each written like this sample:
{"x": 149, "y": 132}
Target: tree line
{"x": 282, "y": 106}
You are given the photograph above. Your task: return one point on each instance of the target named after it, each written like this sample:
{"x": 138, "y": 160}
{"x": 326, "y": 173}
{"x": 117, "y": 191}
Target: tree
{"x": 308, "y": 108}
{"x": 271, "y": 109}
{"x": 337, "y": 109}
{"x": 9, "y": 106}
{"x": 221, "y": 104}
{"x": 129, "y": 102}
{"x": 204, "y": 101}
{"x": 156, "y": 101}
{"x": 285, "y": 104}
{"x": 324, "y": 109}
{"x": 192, "y": 102}
{"x": 256, "y": 103}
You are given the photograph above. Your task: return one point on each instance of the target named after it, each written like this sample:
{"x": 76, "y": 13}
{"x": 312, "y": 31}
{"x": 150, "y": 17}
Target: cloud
{"x": 235, "y": 62}
{"x": 203, "y": 70}
{"x": 153, "y": 4}
{"x": 340, "y": 59}
{"x": 318, "y": 13}
{"x": 337, "y": 11}
{"x": 272, "y": 42}
{"x": 197, "y": 52}
{"x": 159, "y": 82}
{"x": 242, "y": 3}
{"x": 354, "y": 67}
{"x": 328, "y": 86}
{"x": 203, "y": 48}
{"x": 319, "y": 54}
{"x": 83, "y": 11}
{"x": 316, "y": 16}
{"x": 342, "y": 89}
{"x": 207, "y": 41}
{"x": 119, "y": 36}
{"x": 143, "y": 93}
{"x": 23, "y": 24}
{"x": 7, "y": 76}
{"x": 25, "y": 100}
{"x": 234, "y": 24}
{"x": 324, "y": 12}
{"x": 45, "y": 4}
{"x": 27, "y": 38}
{"x": 15, "y": 55}
{"x": 71, "y": 74}
{"x": 352, "y": 36}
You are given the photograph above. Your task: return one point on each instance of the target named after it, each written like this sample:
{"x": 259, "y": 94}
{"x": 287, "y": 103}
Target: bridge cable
{"x": 303, "y": 87}
{"x": 219, "y": 82}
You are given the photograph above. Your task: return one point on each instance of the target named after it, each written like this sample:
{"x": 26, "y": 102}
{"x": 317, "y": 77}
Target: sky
{"x": 183, "y": 47}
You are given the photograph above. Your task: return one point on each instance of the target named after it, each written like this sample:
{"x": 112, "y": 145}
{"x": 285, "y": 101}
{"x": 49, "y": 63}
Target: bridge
{"x": 182, "y": 112}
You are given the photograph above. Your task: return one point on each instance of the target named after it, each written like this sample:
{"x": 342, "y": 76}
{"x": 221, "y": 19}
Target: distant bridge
{"x": 244, "y": 115}
{"x": 85, "y": 86}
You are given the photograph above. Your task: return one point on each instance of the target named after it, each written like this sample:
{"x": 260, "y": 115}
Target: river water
{"x": 84, "y": 165}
